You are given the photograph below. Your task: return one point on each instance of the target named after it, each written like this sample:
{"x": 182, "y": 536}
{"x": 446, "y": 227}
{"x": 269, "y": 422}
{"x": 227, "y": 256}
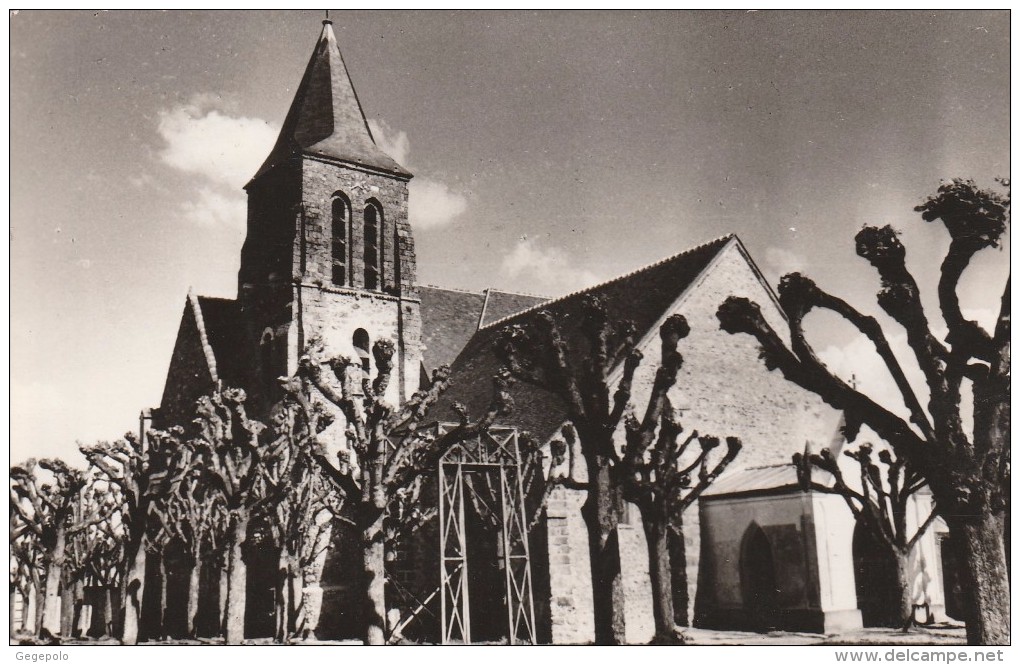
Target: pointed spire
{"x": 326, "y": 119}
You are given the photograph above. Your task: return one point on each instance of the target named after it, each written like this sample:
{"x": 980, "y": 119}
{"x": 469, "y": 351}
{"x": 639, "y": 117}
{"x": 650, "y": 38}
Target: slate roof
{"x": 325, "y": 119}
{"x": 641, "y": 297}
{"x": 450, "y": 317}
{"x": 223, "y": 329}
{"x": 500, "y": 304}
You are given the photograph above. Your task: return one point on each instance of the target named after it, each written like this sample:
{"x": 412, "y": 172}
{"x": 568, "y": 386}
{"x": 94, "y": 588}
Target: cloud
{"x": 211, "y": 208}
{"x": 203, "y": 140}
{"x": 221, "y": 150}
{"x": 548, "y": 267}
{"x": 393, "y": 142}
{"x": 432, "y": 204}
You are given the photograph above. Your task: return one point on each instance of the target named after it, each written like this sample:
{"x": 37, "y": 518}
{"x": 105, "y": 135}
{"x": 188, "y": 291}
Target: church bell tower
{"x": 329, "y": 252}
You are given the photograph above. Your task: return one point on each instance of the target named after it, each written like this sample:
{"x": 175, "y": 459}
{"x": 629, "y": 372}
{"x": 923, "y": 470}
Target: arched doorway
{"x": 878, "y": 596}
{"x": 758, "y": 580}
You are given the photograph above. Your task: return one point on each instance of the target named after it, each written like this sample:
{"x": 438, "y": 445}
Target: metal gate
{"x": 495, "y": 451}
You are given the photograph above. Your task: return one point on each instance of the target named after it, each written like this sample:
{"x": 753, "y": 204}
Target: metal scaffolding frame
{"x": 494, "y": 451}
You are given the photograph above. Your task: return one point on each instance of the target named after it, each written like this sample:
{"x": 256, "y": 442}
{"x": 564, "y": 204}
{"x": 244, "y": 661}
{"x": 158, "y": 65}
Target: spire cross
{"x": 327, "y": 21}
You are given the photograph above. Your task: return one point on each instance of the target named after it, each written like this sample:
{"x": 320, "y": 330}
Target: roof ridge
{"x": 203, "y": 335}
{"x": 614, "y": 280}
{"x": 519, "y": 293}
{"x": 450, "y": 288}
{"x": 482, "y": 291}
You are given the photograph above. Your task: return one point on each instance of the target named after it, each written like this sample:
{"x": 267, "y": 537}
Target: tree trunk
{"x": 83, "y": 612}
{"x": 297, "y": 600}
{"x": 66, "y": 605}
{"x": 161, "y": 628}
{"x": 601, "y": 514}
{"x": 678, "y": 563}
{"x": 656, "y": 526}
{"x": 237, "y": 580}
{"x": 13, "y": 606}
{"x": 311, "y": 602}
{"x": 108, "y": 612}
{"x": 906, "y": 613}
{"x": 373, "y": 556}
{"x": 40, "y": 605}
{"x": 54, "y": 572}
{"x": 194, "y": 580}
{"x": 134, "y": 586}
{"x": 222, "y": 598}
{"x": 983, "y": 574}
{"x": 283, "y": 595}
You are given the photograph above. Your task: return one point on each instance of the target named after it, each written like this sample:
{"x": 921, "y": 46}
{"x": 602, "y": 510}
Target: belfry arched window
{"x": 373, "y": 246}
{"x": 361, "y": 343}
{"x": 341, "y": 233}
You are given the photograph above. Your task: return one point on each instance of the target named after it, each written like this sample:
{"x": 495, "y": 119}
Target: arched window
{"x": 373, "y": 246}
{"x": 266, "y": 356}
{"x": 341, "y": 221}
{"x": 361, "y": 347}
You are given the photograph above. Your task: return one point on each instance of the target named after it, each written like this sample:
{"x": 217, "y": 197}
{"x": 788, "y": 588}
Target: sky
{"x": 550, "y": 151}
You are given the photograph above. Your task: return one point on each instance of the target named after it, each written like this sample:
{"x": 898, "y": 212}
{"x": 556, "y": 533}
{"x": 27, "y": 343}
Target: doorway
{"x": 758, "y": 580}
{"x": 875, "y": 577}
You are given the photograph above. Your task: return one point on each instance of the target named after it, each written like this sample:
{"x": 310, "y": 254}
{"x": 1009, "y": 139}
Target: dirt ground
{"x": 938, "y": 634}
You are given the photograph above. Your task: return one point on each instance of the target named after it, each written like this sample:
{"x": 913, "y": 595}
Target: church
{"x": 330, "y": 255}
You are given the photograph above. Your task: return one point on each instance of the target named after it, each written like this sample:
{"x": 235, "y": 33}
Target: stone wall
{"x": 570, "y": 599}
{"x": 723, "y": 388}
{"x": 320, "y": 182}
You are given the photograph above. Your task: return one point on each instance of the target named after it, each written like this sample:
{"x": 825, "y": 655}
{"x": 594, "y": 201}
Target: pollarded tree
{"x": 967, "y": 468}
{"x": 308, "y": 525}
{"x": 645, "y": 466}
{"x": 47, "y": 508}
{"x": 299, "y": 517}
{"x": 234, "y": 451}
{"x": 194, "y": 514}
{"x": 879, "y": 501}
{"x": 103, "y": 535}
{"x": 137, "y": 468}
{"x": 25, "y": 570}
{"x": 392, "y": 454}
{"x": 538, "y": 354}
{"x": 662, "y": 479}
{"x": 83, "y": 538}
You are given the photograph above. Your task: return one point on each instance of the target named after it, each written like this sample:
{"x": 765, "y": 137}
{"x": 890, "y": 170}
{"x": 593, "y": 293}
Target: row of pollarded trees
{"x": 174, "y": 496}
{"x": 228, "y": 484}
